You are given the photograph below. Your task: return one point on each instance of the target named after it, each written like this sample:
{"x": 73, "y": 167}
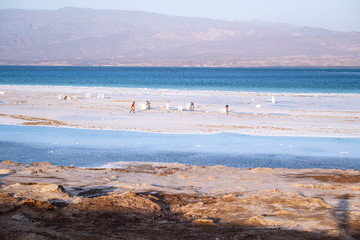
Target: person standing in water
{"x": 227, "y": 109}
{"x": 132, "y": 107}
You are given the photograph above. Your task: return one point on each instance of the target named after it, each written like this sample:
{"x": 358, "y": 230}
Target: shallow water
{"x": 97, "y": 148}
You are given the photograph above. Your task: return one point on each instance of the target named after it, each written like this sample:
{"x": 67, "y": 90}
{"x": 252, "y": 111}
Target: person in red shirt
{"x": 132, "y": 108}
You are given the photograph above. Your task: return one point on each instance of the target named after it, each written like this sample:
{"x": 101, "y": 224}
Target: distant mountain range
{"x": 77, "y": 36}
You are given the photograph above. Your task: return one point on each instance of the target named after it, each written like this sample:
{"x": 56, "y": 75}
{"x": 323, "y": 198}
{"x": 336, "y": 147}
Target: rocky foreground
{"x": 173, "y": 201}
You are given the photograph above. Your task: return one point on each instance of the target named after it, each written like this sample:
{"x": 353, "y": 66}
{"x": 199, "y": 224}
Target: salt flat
{"x": 275, "y": 114}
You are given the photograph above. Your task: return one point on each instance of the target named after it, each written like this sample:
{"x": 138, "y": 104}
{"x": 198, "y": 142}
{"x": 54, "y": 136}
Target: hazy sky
{"x": 342, "y": 15}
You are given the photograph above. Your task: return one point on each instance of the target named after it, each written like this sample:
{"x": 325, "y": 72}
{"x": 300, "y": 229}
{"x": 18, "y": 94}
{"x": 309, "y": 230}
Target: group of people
{"x": 192, "y": 107}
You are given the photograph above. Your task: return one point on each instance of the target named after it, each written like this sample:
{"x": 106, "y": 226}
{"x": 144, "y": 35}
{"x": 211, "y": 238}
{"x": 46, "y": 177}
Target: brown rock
{"x": 42, "y": 164}
{"x": 37, "y": 204}
{"x": 204, "y": 221}
{"x": 229, "y": 198}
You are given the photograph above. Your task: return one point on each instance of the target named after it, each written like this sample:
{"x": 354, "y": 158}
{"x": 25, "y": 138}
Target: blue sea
{"x": 306, "y": 80}
{"x": 97, "y": 148}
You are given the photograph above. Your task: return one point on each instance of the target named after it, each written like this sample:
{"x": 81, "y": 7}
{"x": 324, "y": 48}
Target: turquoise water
{"x": 96, "y": 148}
{"x": 307, "y": 80}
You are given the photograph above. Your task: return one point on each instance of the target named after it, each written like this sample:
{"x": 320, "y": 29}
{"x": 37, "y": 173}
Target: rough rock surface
{"x": 177, "y": 202}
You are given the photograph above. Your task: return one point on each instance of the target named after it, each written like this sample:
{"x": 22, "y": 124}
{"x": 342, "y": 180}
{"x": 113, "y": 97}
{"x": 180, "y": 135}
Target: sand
{"x": 314, "y": 115}
{"x": 174, "y": 201}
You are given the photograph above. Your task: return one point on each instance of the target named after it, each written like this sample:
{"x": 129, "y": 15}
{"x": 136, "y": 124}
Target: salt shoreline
{"x": 31, "y": 87}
